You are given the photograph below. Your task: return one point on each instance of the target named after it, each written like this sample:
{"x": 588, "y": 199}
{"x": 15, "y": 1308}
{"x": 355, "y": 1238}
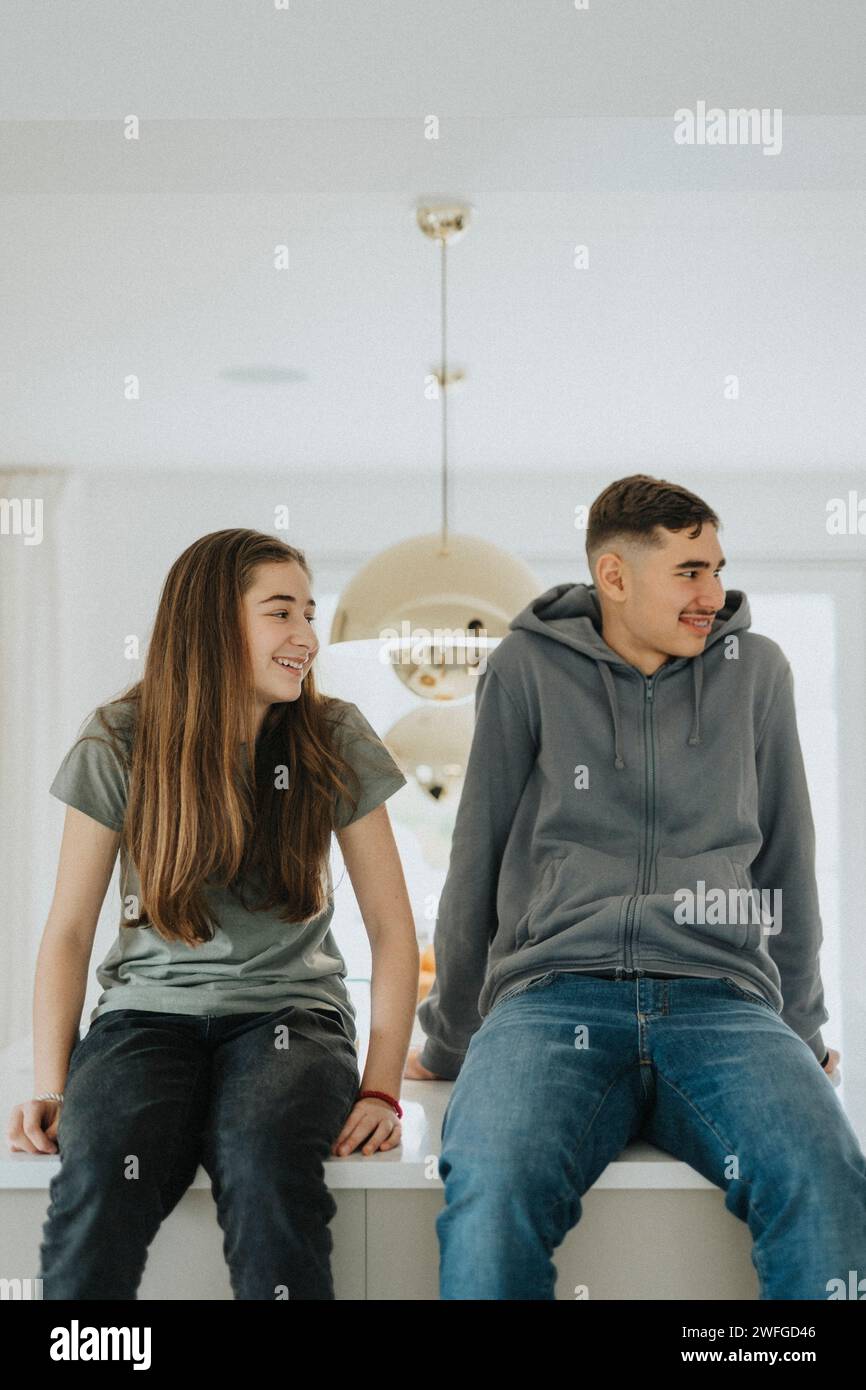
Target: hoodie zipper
{"x": 627, "y": 970}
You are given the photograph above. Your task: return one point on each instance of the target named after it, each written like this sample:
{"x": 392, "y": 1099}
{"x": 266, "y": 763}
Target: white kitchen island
{"x": 652, "y": 1227}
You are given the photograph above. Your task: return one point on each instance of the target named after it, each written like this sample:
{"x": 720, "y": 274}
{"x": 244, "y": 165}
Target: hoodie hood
{"x": 571, "y": 614}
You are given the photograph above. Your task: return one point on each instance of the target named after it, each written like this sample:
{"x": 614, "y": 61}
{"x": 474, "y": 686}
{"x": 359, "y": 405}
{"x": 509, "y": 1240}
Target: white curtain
{"x": 30, "y": 699}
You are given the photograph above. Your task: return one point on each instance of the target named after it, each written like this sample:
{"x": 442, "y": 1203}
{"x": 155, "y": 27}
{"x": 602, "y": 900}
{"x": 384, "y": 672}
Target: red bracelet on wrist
{"x": 383, "y": 1095}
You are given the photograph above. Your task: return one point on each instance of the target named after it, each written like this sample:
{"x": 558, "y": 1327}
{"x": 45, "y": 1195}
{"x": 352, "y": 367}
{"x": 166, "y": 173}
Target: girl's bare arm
{"x": 87, "y": 855}
{"x": 371, "y": 858}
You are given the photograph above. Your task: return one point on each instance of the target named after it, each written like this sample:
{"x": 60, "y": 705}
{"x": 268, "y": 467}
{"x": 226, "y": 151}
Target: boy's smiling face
{"x": 659, "y": 604}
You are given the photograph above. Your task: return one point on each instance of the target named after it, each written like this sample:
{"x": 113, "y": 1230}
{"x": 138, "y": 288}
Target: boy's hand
{"x": 832, "y": 1066}
{"x": 414, "y": 1070}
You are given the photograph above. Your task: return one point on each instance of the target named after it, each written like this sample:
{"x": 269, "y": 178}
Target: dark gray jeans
{"x": 150, "y": 1096}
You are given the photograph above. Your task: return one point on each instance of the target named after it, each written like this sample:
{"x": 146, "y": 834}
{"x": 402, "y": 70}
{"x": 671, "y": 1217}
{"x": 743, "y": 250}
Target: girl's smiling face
{"x": 279, "y": 611}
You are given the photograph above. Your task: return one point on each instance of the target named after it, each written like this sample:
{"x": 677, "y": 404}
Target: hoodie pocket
{"x": 577, "y": 885}
{"x": 548, "y": 874}
{"x": 713, "y": 898}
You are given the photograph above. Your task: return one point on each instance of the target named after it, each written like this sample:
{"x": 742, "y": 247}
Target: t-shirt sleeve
{"x": 92, "y": 777}
{"x": 379, "y": 775}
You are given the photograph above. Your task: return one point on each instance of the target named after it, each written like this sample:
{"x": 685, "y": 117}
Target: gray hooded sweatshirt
{"x": 617, "y": 823}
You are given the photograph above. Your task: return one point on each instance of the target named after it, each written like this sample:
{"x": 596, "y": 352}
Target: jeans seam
{"x": 729, "y": 1148}
{"x": 170, "y": 1174}
{"x": 595, "y": 1114}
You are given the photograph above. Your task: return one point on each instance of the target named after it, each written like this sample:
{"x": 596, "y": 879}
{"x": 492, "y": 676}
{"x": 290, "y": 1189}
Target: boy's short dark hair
{"x": 631, "y": 509}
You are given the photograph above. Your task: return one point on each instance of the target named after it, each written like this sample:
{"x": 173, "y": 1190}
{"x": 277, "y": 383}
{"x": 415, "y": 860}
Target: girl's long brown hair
{"x": 195, "y": 809}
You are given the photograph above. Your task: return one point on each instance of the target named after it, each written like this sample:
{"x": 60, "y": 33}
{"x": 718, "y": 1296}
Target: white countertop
{"x": 413, "y": 1164}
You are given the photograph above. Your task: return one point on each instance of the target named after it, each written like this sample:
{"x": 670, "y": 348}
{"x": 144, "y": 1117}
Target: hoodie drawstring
{"x": 697, "y": 684}
{"x": 607, "y": 678}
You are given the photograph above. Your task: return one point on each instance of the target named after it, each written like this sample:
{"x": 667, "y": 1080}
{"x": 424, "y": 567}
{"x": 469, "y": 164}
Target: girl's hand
{"x": 32, "y": 1127}
{"x": 371, "y": 1120}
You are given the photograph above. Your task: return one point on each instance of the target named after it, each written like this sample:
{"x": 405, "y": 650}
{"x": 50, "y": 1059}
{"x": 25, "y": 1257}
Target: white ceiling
{"x": 241, "y": 59}
{"x": 306, "y": 127}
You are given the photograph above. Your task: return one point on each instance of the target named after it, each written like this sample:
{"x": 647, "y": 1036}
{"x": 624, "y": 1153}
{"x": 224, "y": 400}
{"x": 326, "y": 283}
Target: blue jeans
{"x": 563, "y": 1073}
{"x": 150, "y": 1096}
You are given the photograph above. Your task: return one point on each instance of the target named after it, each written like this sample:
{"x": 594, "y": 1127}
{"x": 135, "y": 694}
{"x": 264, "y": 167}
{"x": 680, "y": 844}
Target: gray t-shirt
{"x": 255, "y": 962}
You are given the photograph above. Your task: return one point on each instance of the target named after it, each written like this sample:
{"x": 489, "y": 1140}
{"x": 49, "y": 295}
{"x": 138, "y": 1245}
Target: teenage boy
{"x": 628, "y": 936}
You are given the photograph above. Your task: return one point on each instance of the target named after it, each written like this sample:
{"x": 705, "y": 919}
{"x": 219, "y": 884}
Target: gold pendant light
{"x": 437, "y": 602}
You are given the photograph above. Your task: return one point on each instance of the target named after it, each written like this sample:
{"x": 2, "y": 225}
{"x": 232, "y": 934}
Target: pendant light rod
{"x": 443, "y": 392}
{"x": 444, "y": 222}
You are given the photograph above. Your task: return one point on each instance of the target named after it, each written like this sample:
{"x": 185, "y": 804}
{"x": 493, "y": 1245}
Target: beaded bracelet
{"x": 383, "y": 1095}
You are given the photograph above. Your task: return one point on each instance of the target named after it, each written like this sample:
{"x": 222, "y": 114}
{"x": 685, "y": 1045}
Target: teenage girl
{"x": 224, "y": 1035}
